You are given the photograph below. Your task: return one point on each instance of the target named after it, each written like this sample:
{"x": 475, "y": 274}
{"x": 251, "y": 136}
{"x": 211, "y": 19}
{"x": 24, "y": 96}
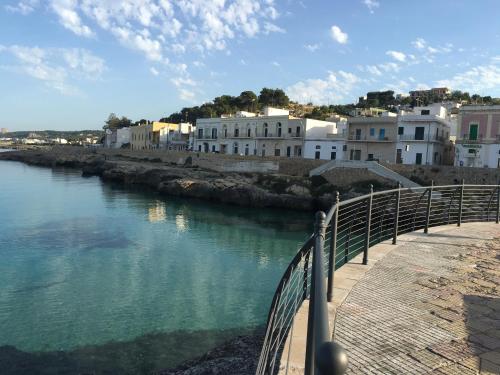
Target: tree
{"x": 113, "y": 122}
{"x": 273, "y": 97}
{"x": 246, "y": 101}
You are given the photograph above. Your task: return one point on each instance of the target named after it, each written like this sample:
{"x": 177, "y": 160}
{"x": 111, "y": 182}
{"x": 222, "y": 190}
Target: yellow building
{"x": 147, "y": 137}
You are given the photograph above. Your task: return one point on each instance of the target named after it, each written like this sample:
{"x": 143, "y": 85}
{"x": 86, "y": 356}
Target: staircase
{"x": 371, "y": 166}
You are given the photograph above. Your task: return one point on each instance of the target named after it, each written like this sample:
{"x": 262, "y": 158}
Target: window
{"x": 200, "y": 134}
{"x": 473, "y": 131}
{"x": 235, "y": 148}
{"x": 425, "y": 112}
{"x": 299, "y": 151}
{"x": 214, "y": 133}
{"x": 399, "y": 156}
{"x": 418, "y": 158}
{"x": 381, "y": 134}
{"x": 213, "y": 148}
{"x": 298, "y": 131}
{"x": 318, "y": 147}
{"x": 370, "y": 156}
{"x": 355, "y": 155}
{"x": 278, "y": 129}
{"x": 246, "y": 150}
{"x": 472, "y": 151}
{"x": 317, "y": 154}
{"x": 265, "y": 129}
{"x": 225, "y": 132}
{"x": 236, "y": 133}
{"x": 419, "y": 133}
{"x": 289, "y": 130}
{"x": 288, "y": 151}
{"x": 344, "y": 148}
{"x": 277, "y": 152}
{"x": 334, "y": 147}
{"x": 263, "y": 152}
{"x": 401, "y": 130}
{"x": 249, "y": 132}
{"x": 199, "y": 147}
{"x": 333, "y": 155}
{"x": 358, "y": 134}
{"x": 372, "y": 132}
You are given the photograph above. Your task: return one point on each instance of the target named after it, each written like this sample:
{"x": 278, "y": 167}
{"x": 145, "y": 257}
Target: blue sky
{"x": 66, "y": 64}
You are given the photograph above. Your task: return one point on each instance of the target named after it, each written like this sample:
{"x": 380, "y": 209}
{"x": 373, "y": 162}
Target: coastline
{"x": 242, "y": 189}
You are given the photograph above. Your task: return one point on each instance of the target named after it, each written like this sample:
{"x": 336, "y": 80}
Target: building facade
{"x": 423, "y": 136}
{"x": 372, "y": 138}
{"x": 275, "y": 133}
{"x": 478, "y": 136}
{"x": 147, "y": 137}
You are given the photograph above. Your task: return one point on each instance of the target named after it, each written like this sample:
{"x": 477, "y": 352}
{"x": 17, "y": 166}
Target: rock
{"x": 298, "y": 190}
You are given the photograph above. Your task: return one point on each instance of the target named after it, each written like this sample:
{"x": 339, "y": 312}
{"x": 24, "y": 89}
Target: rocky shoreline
{"x": 243, "y": 189}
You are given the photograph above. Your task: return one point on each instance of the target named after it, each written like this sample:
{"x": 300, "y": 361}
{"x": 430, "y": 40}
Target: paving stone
{"x": 424, "y": 308}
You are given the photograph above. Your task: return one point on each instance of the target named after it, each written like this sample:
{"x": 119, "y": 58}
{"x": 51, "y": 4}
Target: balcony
{"x": 412, "y": 137}
{"x": 466, "y": 138}
{"x": 364, "y": 138}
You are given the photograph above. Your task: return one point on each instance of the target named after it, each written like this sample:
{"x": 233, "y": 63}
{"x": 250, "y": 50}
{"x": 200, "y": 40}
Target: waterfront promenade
{"x": 428, "y": 305}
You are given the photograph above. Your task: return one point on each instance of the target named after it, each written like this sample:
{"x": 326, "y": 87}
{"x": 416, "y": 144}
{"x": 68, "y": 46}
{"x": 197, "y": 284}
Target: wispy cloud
{"x": 24, "y": 7}
{"x": 336, "y": 87}
{"x": 312, "y": 47}
{"x": 396, "y": 55}
{"x": 57, "y": 68}
{"x": 478, "y": 79}
{"x": 338, "y": 35}
{"x": 371, "y": 5}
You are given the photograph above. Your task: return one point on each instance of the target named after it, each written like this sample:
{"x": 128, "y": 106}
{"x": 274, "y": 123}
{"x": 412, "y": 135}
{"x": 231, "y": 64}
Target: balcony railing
{"x": 357, "y": 137}
{"x": 413, "y": 137}
{"x": 350, "y": 228}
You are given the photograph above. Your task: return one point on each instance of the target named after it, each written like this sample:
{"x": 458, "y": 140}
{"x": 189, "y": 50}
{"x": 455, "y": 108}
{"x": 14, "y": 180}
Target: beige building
{"x": 372, "y": 138}
{"x": 274, "y": 133}
{"x": 147, "y": 137}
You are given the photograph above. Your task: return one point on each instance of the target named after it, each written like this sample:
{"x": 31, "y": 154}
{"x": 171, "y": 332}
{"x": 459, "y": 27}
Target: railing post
{"x": 498, "y": 205}
{"x": 333, "y": 249}
{"x": 368, "y": 225}
{"x": 459, "y": 221}
{"x": 317, "y": 285}
{"x": 396, "y": 219}
{"x": 429, "y": 203}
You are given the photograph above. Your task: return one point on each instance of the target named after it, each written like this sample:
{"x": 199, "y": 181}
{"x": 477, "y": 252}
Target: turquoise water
{"x": 97, "y": 277}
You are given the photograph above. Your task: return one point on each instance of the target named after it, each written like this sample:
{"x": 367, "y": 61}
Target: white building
{"x": 116, "y": 138}
{"x": 273, "y": 133}
{"x": 422, "y": 136}
{"x": 176, "y": 137}
{"x": 478, "y": 136}
{"x": 325, "y": 142}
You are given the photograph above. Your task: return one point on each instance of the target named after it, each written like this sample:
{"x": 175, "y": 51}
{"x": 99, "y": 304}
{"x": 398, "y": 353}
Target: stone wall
{"x": 347, "y": 177}
{"x": 447, "y": 175}
{"x": 224, "y": 162}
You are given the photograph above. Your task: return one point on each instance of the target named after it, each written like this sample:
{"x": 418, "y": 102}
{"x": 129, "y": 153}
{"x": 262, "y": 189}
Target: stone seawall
{"x": 244, "y": 189}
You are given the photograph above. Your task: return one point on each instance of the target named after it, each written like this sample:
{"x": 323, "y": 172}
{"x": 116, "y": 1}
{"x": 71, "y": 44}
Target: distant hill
{"x": 54, "y": 134}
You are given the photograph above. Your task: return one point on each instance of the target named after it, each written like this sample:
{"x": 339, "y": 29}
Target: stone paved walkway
{"x": 430, "y": 306}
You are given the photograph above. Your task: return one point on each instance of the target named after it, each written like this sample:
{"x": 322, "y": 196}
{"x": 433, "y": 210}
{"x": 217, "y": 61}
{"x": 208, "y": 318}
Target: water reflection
{"x": 85, "y": 264}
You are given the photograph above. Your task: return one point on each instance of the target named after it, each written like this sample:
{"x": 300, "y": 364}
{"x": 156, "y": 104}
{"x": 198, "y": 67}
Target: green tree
{"x": 273, "y": 97}
{"x": 247, "y": 100}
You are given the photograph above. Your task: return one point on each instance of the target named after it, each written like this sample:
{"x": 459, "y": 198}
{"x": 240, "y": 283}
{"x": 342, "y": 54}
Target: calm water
{"x": 96, "y": 277}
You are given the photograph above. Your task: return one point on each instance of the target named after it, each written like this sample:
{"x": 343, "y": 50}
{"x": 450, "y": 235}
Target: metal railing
{"x": 350, "y": 228}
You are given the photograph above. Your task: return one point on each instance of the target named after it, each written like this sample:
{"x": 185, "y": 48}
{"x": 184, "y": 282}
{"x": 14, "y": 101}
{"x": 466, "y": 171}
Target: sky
{"x": 67, "y": 64}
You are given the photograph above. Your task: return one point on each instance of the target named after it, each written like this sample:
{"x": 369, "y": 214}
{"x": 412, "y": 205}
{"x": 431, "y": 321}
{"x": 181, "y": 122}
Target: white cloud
{"x": 419, "y": 43}
{"x": 69, "y": 18}
{"x": 374, "y": 70}
{"x": 312, "y": 47}
{"x": 275, "y": 63}
{"x": 334, "y": 88}
{"x": 478, "y": 79}
{"x": 154, "y": 71}
{"x": 371, "y": 5}
{"x": 24, "y": 7}
{"x": 55, "y": 67}
{"x": 389, "y": 67}
{"x": 396, "y": 55}
{"x": 187, "y": 95}
{"x": 338, "y": 35}
{"x": 271, "y": 28}
{"x": 183, "y": 81}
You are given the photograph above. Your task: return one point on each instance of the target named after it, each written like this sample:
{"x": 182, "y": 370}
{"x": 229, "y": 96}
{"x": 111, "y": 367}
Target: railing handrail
{"x": 363, "y": 222}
